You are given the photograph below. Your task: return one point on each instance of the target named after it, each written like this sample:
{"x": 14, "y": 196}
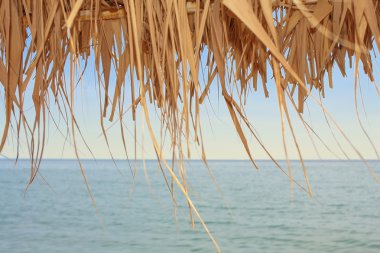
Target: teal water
{"x": 254, "y": 211}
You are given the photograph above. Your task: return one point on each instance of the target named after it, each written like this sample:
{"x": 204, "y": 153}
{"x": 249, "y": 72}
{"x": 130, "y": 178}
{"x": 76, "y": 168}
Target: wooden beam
{"x": 88, "y": 15}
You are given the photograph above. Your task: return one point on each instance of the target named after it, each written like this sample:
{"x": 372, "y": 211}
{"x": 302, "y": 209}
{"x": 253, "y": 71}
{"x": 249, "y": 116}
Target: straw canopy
{"x": 175, "y": 50}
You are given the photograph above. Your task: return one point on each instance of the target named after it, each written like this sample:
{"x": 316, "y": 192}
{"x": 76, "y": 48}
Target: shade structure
{"x": 163, "y": 46}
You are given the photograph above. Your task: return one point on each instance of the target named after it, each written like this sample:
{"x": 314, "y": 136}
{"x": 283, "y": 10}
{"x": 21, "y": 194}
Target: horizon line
{"x": 189, "y": 160}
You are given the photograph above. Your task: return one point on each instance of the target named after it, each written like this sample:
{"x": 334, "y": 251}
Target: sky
{"x": 221, "y": 140}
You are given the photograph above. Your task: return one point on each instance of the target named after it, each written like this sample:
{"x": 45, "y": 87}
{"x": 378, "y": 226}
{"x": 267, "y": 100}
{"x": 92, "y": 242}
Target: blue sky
{"x": 220, "y": 138}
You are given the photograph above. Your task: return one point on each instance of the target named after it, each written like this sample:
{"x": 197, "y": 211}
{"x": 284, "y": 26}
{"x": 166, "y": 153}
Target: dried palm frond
{"x": 159, "y": 44}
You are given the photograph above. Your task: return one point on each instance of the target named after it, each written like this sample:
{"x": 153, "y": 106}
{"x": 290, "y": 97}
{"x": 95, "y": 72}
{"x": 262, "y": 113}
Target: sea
{"x": 134, "y": 206}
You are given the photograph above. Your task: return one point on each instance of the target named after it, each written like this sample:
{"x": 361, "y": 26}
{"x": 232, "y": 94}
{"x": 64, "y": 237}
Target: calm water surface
{"x": 254, "y": 211}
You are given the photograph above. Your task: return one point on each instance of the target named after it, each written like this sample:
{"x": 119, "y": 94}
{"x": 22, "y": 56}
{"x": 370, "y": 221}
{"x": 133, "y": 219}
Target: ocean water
{"x": 246, "y": 210}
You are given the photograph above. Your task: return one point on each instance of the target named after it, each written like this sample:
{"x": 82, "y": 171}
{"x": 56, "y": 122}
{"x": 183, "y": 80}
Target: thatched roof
{"x": 162, "y": 44}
